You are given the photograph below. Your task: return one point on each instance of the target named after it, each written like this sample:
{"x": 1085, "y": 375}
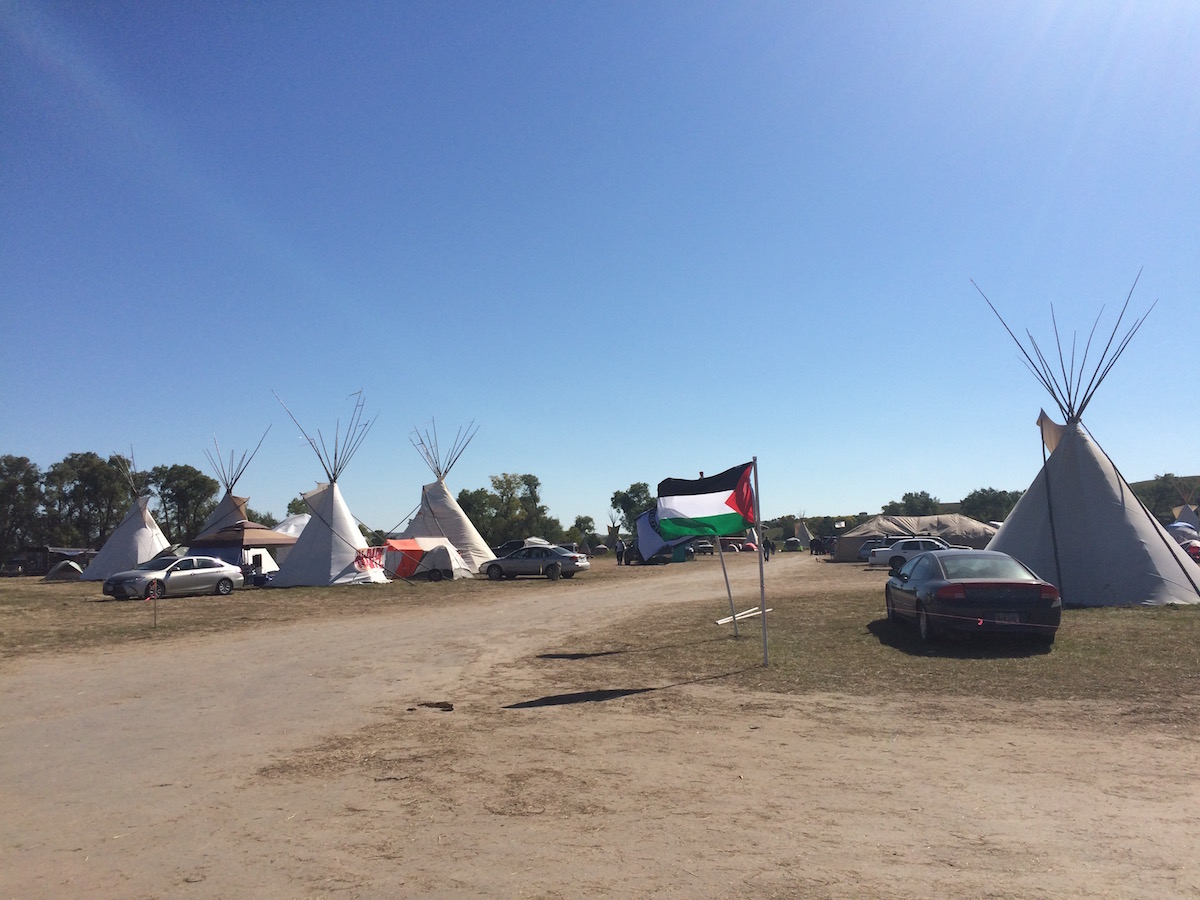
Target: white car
{"x": 172, "y": 576}
{"x": 903, "y": 550}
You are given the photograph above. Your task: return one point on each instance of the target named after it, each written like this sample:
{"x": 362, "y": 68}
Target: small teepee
{"x": 137, "y": 539}
{"x": 331, "y": 550}
{"x": 439, "y": 514}
{"x": 231, "y": 509}
{"x": 1079, "y": 525}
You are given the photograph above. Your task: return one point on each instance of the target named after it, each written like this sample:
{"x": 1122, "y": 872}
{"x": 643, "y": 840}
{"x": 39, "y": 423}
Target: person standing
{"x": 620, "y": 548}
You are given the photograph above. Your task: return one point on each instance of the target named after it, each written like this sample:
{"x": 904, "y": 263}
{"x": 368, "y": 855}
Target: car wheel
{"x": 568, "y": 574}
{"x": 553, "y": 571}
{"x": 896, "y": 562}
{"x": 924, "y": 626}
{"x": 495, "y": 573}
{"x": 436, "y": 575}
{"x": 224, "y": 587}
{"x": 155, "y": 589}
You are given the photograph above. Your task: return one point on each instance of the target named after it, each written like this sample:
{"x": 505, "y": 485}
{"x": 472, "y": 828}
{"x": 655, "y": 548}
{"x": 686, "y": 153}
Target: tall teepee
{"x": 331, "y": 549}
{"x": 231, "y": 509}
{"x": 1079, "y": 525}
{"x": 439, "y": 514}
{"x": 137, "y": 539}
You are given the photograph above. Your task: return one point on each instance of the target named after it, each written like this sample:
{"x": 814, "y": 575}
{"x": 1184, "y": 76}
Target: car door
{"x": 522, "y": 563}
{"x": 181, "y": 577}
{"x": 904, "y": 598}
{"x": 207, "y": 573}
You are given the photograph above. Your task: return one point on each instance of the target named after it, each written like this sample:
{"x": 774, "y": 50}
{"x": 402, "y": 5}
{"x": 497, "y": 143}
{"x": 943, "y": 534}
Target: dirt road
{"x": 318, "y": 758}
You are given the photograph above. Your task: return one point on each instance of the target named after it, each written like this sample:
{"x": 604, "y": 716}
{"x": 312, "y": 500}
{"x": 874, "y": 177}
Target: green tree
{"x": 1162, "y": 494}
{"x": 511, "y": 510}
{"x": 297, "y": 507}
{"x": 262, "y": 518}
{"x": 632, "y": 503}
{"x": 185, "y": 499}
{"x": 20, "y": 501}
{"x": 913, "y": 504}
{"x": 989, "y": 504}
{"x": 85, "y": 498}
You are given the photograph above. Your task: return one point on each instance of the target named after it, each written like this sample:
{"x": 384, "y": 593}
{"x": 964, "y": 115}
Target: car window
{"x": 968, "y": 566}
{"x": 907, "y": 568}
{"x": 203, "y": 563}
{"x": 184, "y": 565}
{"x": 925, "y": 567}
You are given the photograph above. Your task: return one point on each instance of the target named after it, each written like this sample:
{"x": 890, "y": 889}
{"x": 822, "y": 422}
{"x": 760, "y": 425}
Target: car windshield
{"x": 152, "y": 564}
{"x": 964, "y": 565}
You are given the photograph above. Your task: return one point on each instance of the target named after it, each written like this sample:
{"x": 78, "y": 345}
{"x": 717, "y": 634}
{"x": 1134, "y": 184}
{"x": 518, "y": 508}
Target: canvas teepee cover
{"x": 1110, "y": 550}
{"x": 330, "y": 549}
{"x": 228, "y": 512}
{"x": 137, "y": 539}
{"x": 1079, "y": 525}
{"x": 440, "y": 516}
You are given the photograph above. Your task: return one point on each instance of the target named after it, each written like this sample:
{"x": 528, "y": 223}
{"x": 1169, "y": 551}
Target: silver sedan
{"x": 171, "y": 576}
{"x": 552, "y": 562}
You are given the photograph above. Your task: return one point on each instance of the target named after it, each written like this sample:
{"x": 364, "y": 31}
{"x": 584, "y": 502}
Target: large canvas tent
{"x": 244, "y": 543}
{"x": 1079, "y": 525}
{"x": 231, "y": 509}
{"x": 331, "y": 549}
{"x": 439, "y": 514}
{"x": 953, "y": 528}
{"x": 434, "y": 558}
{"x": 137, "y": 539}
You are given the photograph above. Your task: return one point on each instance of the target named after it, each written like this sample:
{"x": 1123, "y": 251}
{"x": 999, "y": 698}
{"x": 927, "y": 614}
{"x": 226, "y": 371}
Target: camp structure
{"x": 331, "y": 549}
{"x": 293, "y": 525}
{"x": 64, "y": 570}
{"x": 244, "y": 543}
{"x": 803, "y": 536}
{"x": 137, "y": 539}
{"x": 433, "y": 558}
{"x": 1079, "y": 525}
{"x": 439, "y": 514}
{"x": 230, "y": 510}
{"x": 953, "y": 528}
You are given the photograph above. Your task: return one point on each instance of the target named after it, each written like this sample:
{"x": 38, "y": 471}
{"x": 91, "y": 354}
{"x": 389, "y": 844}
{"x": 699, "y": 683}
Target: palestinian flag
{"x": 717, "y": 505}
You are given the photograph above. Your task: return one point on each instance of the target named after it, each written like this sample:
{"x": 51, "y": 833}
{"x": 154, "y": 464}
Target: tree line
{"x": 81, "y": 499}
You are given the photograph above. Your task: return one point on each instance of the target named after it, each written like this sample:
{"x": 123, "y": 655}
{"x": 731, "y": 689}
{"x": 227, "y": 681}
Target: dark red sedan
{"x": 973, "y": 591}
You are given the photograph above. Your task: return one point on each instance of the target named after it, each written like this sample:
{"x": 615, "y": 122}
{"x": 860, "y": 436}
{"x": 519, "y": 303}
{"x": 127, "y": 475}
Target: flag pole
{"x": 762, "y": 580}
{"x": 728, "y": 590}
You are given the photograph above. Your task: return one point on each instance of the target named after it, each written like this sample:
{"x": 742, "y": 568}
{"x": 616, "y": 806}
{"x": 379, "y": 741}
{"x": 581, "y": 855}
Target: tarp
{"x": 420, "y": 557}
{"x": 953, "y": 528}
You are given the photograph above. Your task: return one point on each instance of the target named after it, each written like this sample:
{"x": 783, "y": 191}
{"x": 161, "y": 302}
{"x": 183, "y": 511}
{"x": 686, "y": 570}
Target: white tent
{"x": 331, "y": 550}
{"x": 439, "y": 514}
{"x": 1079, "y": 525}
{"x": 137, "y": 539}
{"x": 231, "y": 509}
{"x": 434, "y": 558}
{"x": 293, "y": 525}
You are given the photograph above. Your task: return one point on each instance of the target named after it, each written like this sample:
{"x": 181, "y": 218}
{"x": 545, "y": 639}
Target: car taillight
{"x": 951, "y": 592}
{"x": 1049, "y": 592}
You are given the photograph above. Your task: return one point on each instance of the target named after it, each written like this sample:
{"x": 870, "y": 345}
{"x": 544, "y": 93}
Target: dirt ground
{"x": 471, "y": 751}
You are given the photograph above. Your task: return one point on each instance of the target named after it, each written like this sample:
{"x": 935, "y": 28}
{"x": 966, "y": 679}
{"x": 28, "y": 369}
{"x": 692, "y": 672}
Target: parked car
{"x": 903, "y": 550}
{"x": 702, "y": 547}
{"x": 973, "y": 591}
{"x": 175, "y": 576}
{"x": 550, "y": 561}
{"x": 864, "y": 551}
{"x": 1193, "y": 550}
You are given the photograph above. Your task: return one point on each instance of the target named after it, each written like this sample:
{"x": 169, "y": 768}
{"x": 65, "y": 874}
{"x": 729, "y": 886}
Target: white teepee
{"x": 231, "y": 509}
{"x": 331, "y": 549}
{"x": 137, "y": 539}
{"x": 1079, "y": 525}
{"x": 439, "y": 514}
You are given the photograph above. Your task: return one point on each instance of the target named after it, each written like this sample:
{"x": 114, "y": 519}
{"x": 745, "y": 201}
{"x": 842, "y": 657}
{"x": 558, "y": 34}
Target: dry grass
{"x": 827, "y": 634}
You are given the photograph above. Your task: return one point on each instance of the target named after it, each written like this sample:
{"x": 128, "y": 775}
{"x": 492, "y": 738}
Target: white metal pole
{"x": 762, "y": 579}
{"x": 728, "y": 590}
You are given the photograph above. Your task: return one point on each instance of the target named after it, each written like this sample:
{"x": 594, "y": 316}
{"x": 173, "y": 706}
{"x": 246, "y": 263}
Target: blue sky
{"x": 629, "y": 241}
